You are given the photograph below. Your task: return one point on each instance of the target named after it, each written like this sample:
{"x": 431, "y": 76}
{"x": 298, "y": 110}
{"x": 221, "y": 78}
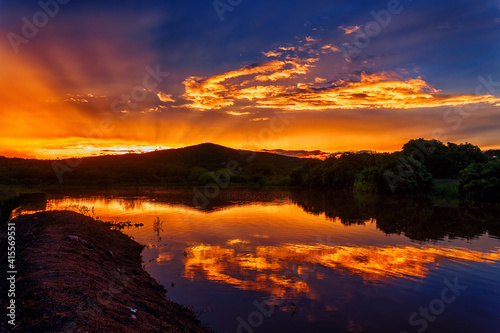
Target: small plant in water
{"x": 157, "y": 228}
{"x": 114, "y": 225}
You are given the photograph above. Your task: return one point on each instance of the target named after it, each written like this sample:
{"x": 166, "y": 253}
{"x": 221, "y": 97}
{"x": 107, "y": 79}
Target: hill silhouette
{"x": 213, "y": 156}
{"x": 183, "y": 166}
{"x": 421, "y": 167}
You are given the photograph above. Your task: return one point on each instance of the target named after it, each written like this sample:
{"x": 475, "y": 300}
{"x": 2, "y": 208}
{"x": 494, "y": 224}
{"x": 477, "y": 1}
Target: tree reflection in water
{"x": 417, "y": 218}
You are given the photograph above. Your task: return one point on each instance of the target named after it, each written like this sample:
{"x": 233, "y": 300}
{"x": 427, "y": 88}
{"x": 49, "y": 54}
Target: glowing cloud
{"x": 376, "y": 90}
{"x": 329, "y": 46}
{"x": 272, "y": 54}
{"x": 234, "y": 113}
{"x": 165, "y": 97}
{"x": 371, "y": 91}
{"x": 311, "y": 39}
{"x": 349, "y": 29}
{"x": 221, "y": 90}
{"x": 271, "y": 85}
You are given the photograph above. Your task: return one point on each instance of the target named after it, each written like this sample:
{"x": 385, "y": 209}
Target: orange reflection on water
{"x": 217, "y": 264}
{"x": 287, "y": 268}
{"x": 223, "y": 245}
{"x": 238, "y": 222}
{"x": 375, "y": 263}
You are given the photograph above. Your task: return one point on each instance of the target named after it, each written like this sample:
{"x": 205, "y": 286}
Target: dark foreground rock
{"x": 74, "y": 274}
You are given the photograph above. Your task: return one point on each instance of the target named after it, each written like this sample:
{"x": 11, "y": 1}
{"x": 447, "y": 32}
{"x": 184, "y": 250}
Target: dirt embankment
{"x": 76, "y": 275}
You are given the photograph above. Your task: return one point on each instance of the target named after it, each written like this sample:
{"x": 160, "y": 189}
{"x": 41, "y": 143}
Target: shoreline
{"x": 75, "y": 274}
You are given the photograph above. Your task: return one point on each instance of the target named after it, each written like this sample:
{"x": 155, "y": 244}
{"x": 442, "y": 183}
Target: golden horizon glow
{"x": 41, "y": 119}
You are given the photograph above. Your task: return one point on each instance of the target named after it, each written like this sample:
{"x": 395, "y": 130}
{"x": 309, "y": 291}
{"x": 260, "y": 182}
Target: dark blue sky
{"x": 452, "y": 42}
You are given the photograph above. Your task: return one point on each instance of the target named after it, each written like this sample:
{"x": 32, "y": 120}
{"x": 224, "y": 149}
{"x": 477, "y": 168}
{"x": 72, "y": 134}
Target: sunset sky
{"x": 81, "y": 78}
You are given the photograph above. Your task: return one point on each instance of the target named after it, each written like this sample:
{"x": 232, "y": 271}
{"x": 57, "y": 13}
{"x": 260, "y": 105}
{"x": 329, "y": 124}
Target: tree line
{"x": 420, "y": 167}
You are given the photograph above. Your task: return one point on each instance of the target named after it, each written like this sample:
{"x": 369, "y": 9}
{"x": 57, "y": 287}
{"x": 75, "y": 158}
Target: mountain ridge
{"x": 186, "y": 165}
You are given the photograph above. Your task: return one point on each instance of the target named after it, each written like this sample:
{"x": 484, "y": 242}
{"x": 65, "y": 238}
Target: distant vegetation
{"x": 424, "y": 167}
{"x": 421, "y": 167}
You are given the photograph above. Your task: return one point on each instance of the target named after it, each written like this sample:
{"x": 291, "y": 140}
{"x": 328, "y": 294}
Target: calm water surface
{"x": 314, "y": 262}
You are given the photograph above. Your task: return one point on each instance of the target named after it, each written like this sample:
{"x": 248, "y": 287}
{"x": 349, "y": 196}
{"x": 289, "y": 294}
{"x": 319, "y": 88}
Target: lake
{"x": 309, "y": 261}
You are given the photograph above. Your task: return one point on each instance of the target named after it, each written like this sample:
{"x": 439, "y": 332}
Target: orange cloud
{"x": 234, "y": 113}
{"x": 349, "y": 29}
{"x": 297, "y": 66}
{"x": 258, "y": 92}
{"x": 330, "y": 48}
{"x": 373, "y": 91}
{"x": 220, "y": 90}
{"x": 287, "y": 48}
{"x": 311, "y": 39}
{"x": 272, "y": 54}
{"x": 165, "y": 97}
{"x": 388, "y": 90}
{"x": 376, "y": 90}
